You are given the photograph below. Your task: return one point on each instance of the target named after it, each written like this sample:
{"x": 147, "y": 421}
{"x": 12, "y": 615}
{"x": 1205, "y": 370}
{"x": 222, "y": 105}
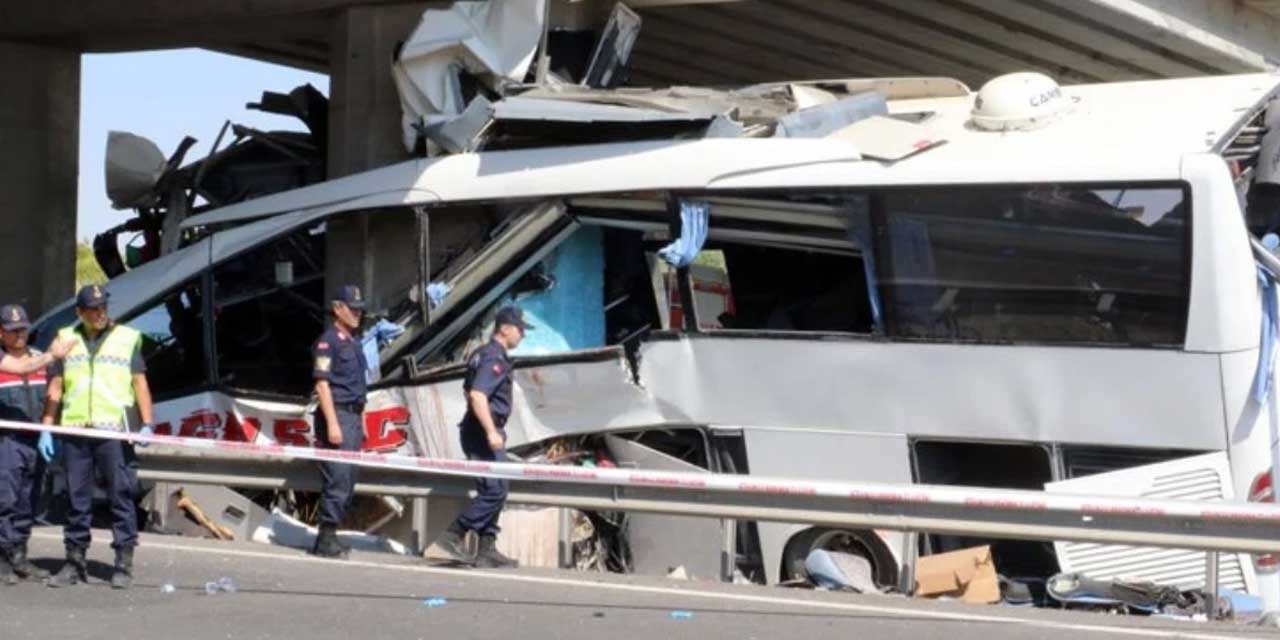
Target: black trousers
{"x": 83, "y": 458}
{"x": 481, "y": 515}
{"x": 338, "y": 479}
{"x": 21, "y": 471}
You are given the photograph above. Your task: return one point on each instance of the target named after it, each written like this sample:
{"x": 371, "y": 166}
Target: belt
{"x": 353, "y": 407}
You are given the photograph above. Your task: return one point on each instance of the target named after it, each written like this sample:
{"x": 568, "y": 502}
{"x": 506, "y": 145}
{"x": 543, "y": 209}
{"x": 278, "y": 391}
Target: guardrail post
{"x": 910, "y": 552}
{"x": 728, "y": 549}
{"x": 420, "y": 538}
{"x": 1211, "y": 584}
{"x": 566, "y": 540}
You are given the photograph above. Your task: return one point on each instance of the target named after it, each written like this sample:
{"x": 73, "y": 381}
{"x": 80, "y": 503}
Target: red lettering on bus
{"x": 291, "y": 432}
{"x": 384, "y": 429}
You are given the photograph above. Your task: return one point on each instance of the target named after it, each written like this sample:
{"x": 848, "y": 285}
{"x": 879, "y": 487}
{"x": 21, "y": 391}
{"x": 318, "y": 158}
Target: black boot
{"x": 490, "y": 558}
{"x": 23, "y": 566}
{"x": 454, "y": 545}
{"x": 7, "y": 575}
{"x": 74, "y": 571}
{"x": 122, "y": 574}
{"x": 327, "y": 545}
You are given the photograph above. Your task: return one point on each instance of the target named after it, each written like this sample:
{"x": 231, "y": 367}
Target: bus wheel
{"x": 884, "y": 568}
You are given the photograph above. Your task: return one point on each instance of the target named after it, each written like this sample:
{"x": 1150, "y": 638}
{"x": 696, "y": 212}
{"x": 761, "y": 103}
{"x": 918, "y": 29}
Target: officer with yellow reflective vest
{"x": 101, "y": 379}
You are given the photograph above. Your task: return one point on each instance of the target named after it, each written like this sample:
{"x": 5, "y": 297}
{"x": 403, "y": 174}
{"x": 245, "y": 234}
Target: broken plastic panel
{"x": 1202, "y": 477}
{"x": 134, "y": 165}
{"x": 614, "y": 48}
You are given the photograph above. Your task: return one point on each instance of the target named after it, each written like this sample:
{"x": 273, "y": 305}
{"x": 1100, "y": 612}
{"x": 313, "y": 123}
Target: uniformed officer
{"x": 339, "y": 374}
{"x": 102, "y": 378}
{"x": 488, "y": 389}
{"x": 21, "y": 469}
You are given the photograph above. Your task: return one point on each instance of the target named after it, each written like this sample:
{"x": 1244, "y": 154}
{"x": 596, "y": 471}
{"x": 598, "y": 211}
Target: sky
{"x": 165, "y": 95}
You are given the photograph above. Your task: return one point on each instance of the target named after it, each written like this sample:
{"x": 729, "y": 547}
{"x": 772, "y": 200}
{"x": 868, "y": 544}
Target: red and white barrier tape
{"x": 855, "y": 492}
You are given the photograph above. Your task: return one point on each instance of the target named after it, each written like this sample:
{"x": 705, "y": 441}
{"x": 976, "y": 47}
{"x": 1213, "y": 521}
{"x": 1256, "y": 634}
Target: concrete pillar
{"x": 39, "y": 155}
{"x": 375, "y": 252}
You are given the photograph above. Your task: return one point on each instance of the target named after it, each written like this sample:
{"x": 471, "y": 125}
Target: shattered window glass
{"x": 173, "y": 341}
{"x": 268, "y": 309}
{"x": 1044, "y": 264}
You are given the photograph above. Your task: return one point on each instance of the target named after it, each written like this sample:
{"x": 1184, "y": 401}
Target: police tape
{"x": 855, "y": 493}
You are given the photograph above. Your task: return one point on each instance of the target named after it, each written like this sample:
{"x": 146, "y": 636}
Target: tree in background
{"x": 87, "y": 269}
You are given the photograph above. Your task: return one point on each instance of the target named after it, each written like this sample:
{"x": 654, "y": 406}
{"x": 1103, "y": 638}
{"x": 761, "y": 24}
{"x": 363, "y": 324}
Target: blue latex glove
{"x": 46, "y": 446}
{"x": 146, "y": 430}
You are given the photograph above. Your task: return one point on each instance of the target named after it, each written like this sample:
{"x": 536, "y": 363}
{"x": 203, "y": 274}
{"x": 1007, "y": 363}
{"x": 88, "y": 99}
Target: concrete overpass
{"x": 683, "y": 41}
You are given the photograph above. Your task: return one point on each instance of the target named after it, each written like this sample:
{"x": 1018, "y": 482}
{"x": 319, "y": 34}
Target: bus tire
{"x": 884, "y": 567}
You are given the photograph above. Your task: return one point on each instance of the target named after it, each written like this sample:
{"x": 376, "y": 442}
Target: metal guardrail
{"x": 997, "y": 513}
{"x": 956, "y": 510}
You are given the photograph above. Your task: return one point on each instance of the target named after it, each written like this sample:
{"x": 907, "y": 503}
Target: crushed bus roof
{"x": 1141, "y": 127}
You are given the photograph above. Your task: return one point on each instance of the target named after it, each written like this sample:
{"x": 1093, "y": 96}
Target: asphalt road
{"x": 284, "y": 593}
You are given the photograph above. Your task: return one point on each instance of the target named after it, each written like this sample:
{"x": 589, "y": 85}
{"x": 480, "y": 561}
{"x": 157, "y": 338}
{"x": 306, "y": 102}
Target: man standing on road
{"x": 488, "y": 389}
{"x": 339, "y": 374}
{"x": 102, "y": 378}
{"x": 21, "y": 400}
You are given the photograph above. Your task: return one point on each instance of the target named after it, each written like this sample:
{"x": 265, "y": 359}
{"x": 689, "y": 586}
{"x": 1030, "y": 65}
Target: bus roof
{"x": 1141, "y": 128}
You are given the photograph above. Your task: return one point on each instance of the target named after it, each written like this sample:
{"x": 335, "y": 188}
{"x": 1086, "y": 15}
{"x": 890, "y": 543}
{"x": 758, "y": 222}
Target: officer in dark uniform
{"x": 488, "y": 390}
{"x": 21, "y": 468}
{"x": 339, "y": 373}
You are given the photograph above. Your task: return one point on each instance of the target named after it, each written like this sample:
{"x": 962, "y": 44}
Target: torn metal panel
{"x": 848, "y": 383}
{"x": 462, "y": 132}
{"x": 807, "y": 96}
{"x": 495, "y": 41}
{"x": 659, "y": 543}
{"x": 305, "y": 103}
{"x": 822, "y": 120}
{"x": 1203, "y": 477}
{"x": 582, "y": 392}
{"x": 522, "y": 121}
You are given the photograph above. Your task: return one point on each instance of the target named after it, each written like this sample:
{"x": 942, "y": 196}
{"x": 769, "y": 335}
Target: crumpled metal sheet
{"x": 494, "y": 40}
{"x": 592, "y": 393}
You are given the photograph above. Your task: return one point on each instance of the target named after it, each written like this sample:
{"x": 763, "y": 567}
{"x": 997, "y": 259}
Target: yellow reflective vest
{"x": 97, "y": 390}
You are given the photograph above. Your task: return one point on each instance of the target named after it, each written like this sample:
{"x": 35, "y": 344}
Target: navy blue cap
{"x": 92, "y": 297}
{"x": 350, "y": 296}
{"x": 513, "y": 316}
{"x": 13, "y": 318}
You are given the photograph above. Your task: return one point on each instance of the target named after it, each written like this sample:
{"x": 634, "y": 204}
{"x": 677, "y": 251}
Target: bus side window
{"x": 1036, "y": 264}
{"x": 753, "y": 287}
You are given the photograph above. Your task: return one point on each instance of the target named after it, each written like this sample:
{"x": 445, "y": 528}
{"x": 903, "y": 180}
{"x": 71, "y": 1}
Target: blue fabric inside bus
{"x": 694, "y": 219}
{"x": 570, "y": 315}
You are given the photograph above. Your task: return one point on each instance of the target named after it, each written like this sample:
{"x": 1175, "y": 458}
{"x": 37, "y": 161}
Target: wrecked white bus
{"x": 1051, "y": 284}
